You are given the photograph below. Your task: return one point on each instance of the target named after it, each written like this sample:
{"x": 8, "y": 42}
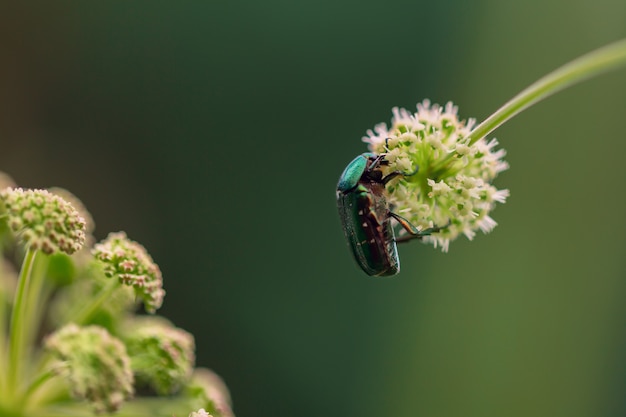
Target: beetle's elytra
{"x": 366, "y": 217}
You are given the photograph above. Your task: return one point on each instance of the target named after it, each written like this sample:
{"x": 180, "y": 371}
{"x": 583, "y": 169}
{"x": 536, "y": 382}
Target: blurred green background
{"x": 214, "y": 133}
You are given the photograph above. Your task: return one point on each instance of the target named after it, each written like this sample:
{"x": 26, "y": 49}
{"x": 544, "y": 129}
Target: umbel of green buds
{"x": 452, "y": 186}
{"x": 200, "y": 413}
{"x": 129, "y": 262}
{"x": 162, "y": 356}
{"x": 96, "y": 365}
{"x": 212, "y": 391}
{"x": 78, "y": 205}
{"x": 43, "y": 220}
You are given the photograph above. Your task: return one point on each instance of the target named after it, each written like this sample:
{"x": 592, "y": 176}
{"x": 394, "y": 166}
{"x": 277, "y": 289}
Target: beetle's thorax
{"x": 373, "y": 182}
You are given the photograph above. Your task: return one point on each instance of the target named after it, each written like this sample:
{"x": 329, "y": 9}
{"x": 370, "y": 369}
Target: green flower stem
{"x": 82, "y": 314}
{"x": 85, "y": 313}
{"x": 38, "y": 382}
{"x": 594, "y": 63}
{"x": 80, "y": 317}
{"x": 3, "y": 312}
{"x": 40, "y": 394}
{"x": 37, "y": 297}
{"x": 18, "y": 315}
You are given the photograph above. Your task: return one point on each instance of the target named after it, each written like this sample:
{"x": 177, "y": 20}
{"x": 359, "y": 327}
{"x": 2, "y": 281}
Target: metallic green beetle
{"x": 366, "y": 218}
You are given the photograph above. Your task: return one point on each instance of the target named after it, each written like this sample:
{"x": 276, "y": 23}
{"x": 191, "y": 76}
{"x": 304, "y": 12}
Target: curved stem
{"x": 16, "y": 332}
{"x": 601, "y": 60}
{"x": 39, "y": 381}
{"x": 37, "y": 297}
{"x": 4, "y": 294}
{"x": 84, "y": 314}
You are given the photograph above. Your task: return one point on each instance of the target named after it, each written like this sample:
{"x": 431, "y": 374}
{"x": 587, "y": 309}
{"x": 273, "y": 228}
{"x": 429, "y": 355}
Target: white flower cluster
{"x": 452, "y": 186}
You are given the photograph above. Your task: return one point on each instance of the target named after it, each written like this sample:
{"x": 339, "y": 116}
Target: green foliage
{"x": 96, "y": 348}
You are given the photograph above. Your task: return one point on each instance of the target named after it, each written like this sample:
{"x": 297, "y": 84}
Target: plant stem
{"x": 37, "y": 297}
{"x": 16, "y": 335}
{"x": 84, "y": 314}
{"x": 3, "y": 311}
{"x": 38, "y": 382}
{"x": 79, "y": 316}
{"x": 594, "y": 63}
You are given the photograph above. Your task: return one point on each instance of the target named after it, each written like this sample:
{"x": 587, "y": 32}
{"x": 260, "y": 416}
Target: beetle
{"x": 366, "y": 217}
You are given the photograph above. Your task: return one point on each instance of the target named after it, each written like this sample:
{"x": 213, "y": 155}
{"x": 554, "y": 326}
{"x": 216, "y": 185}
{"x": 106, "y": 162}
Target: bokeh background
{"x": 214, "y": 133}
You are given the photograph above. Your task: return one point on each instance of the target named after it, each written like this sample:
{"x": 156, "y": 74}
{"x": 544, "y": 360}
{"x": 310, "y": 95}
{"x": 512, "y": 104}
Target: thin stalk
{"x": 39, "y": 381}
{"x": 3, "y": 313}
{"x": 38, "y": 294}
{"x": 607, "y": 58}
{"x": 84, "y": 314}
{"x": 16, "y": 331}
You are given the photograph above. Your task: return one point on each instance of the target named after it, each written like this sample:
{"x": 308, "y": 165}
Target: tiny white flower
{"x": 452, "y": 187}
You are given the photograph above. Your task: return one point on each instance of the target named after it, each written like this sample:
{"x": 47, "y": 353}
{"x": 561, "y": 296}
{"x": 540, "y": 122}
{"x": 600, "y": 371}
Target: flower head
{"x": 132, "y": 265}
{"x": 200, "y": 413}
{"x": 211, "y": 392}
{"x": 68, "y": 196}
{"x": 63, "y": 269}
{"x": 162, "y": 356}
{"x": 96, "y": 364}
{"x": 452, "y": 186}
{"x": 43, "y": 220}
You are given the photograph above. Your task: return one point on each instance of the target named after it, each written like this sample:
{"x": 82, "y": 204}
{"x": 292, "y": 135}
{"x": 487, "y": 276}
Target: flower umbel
{"x": 200, "y": 413}
{"x": 43, "y": 220}
{"x": 448, "y": 178}
{"x": 78, "y": 205}
{"x": 211, "y": 392}
{"x": 132, "y": 265}
{"x": 97, "y": 365}
{"x": 162, "y": 356}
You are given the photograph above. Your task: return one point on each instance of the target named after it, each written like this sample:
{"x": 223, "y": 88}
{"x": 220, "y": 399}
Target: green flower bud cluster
{"x": 43, "y": 220}
{"x": 162, "y": 356}
{"x": 96, "y": 363}
{"x": 212, "y": 393}
{"x": 200, "y": 413}
{"x": 132, "y": 265}
{"x": 447, "y": 179}
{"x": 68, "y": 196}
{"x": 101, "y": 349}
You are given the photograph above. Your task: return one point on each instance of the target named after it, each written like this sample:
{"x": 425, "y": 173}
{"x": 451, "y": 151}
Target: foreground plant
{"x": 432, "y": 173}
{"x": 96, "y": 352}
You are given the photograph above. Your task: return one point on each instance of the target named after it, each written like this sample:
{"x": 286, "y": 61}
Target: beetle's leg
{"x": 379, "y": 160}
{"x": 387, "y": 144}
{"x": 414, "y": 233}
{"x": 394, "y": 174}
{"x": 406, "y": 225}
